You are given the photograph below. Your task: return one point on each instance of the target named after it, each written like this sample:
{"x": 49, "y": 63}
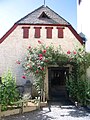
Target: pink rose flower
{"x": 44, "y": 51}
{"x": 74, "y": 52}
{"x": 24, "y": 77}
{"x": 18, "y": 62}
{"x": 68, "y": 52}
{"x": 40, "y": 55}
{"x": 29, "y": 47}
{"x": 40, "y": 58}
{"x": 39, "y": 41}
{"x": 42, "y": 68}
{"x": 36, "y": 71}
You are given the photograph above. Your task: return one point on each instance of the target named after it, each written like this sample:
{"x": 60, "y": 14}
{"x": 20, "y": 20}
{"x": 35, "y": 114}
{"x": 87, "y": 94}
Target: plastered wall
{"x": 14, "y": 47}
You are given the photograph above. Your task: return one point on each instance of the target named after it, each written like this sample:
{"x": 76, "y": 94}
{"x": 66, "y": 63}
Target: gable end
{"x": 8, "y": 33}
{"x": 75, "y": 34}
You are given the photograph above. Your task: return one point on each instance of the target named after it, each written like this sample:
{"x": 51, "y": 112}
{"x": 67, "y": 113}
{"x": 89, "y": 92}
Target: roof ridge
{"x": 33, "y": 18}
{"x": 30, "y": 13}
{"x": 58, "y": 15}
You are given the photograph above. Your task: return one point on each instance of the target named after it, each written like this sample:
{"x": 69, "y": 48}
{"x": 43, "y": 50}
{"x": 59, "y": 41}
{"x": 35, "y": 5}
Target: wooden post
{"x": 43, "y": 96}
{"x": 22, "y": 107}
{"x": 38, "y": 102}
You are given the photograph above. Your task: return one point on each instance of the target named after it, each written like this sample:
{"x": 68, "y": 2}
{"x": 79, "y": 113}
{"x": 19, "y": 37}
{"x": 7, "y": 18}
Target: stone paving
{"x": 54, "y": 111}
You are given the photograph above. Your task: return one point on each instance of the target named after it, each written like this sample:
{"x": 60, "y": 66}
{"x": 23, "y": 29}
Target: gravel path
{"x": 54, "y": 111}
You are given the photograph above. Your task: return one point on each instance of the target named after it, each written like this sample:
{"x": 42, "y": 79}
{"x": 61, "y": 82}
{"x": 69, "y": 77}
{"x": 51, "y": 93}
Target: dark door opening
{"x": 57, "y": 82}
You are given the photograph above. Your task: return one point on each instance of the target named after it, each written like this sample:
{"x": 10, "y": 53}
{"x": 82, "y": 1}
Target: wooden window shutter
{"x": 49, "y": 32}
{"x": 37, "y": 32}
{"x": 60, "y": 32}
{"x": 25, "y": 32}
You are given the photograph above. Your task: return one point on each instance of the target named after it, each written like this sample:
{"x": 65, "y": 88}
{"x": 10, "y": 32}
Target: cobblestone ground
{"x": 54, "y": 111}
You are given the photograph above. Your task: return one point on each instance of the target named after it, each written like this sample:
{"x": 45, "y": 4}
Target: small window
{"x": 25, "y": 32}
{"x": 49, "y": 32}
{"x": 37, "y": 32}
{"x": 60, "y": 32}
{"x": 43, "y": 15}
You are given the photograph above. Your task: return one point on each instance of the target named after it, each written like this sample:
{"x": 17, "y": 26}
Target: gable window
{"x": 60, "y": 32}
{"x": 25, "y": 32}
{"x": 49, "y": 32}
{"x": 43, "y": 15}
{"x": 37, "y": 32}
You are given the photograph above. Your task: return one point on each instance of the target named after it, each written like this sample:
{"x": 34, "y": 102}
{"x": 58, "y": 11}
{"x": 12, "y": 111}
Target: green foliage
{"x": 77, "y": 89}
{"x": 71, "y": 85}
{"x": 88, "y": 95}
{"x": 8, "y": 91}
{"x": 77, "y": 84}
{"x": 38, "y": 59}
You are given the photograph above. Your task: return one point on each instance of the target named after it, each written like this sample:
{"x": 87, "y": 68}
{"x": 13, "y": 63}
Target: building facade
{"x": 83, "y": 20}
{"x": 42, "y": 24}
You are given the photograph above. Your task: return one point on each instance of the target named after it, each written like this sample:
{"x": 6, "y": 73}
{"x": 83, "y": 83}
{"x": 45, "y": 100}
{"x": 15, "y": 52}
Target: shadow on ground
{"x": 54, "y": 111}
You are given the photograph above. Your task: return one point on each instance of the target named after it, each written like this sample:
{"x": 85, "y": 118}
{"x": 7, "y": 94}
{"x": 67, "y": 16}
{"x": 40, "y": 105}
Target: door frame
{"x": 49, "y": 76}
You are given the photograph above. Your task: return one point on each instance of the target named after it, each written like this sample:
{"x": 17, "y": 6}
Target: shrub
{"x": 8, "y": 91}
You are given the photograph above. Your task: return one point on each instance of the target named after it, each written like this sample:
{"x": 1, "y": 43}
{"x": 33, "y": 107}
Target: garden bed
{"x": 26, "y": 106}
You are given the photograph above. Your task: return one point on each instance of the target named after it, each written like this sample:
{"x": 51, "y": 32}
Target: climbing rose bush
{"x": 39, "y": 58}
